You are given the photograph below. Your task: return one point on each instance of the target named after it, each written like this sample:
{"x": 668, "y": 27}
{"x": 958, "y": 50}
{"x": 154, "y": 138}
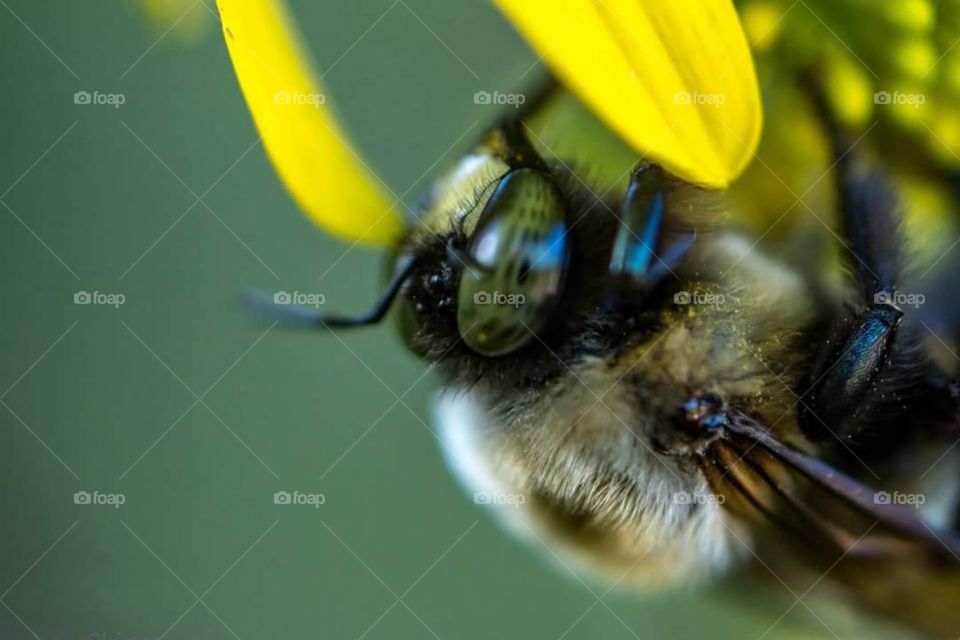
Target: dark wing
{"x": 763, "y": 477}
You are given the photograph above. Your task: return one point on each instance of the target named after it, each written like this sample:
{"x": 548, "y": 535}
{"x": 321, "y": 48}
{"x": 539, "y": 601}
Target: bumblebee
{"x": 625, "y": 374}
{"x": 667, "y": 399}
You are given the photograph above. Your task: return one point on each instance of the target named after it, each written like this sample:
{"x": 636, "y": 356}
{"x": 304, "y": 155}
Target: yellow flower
{"x": 891, "y": 72}
{"x": 895, "y": 63}
{"x": 674, "y": 79}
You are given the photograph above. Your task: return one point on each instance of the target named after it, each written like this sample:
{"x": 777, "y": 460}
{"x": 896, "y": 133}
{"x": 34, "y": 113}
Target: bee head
{"x": 513, "y": 268}
{"x": 493, "y": 278}
{"x": 510, "y": 254}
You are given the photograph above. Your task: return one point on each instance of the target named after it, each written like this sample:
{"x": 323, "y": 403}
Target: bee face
{"x": 568, "y": 401}
{"x": 494, "y": 284}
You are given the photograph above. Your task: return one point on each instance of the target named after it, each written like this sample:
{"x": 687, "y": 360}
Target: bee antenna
{"x": 280, "y": 308}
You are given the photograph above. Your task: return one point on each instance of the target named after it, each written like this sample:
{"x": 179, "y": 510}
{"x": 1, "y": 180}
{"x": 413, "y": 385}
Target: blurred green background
{"x": 197, "y": 416}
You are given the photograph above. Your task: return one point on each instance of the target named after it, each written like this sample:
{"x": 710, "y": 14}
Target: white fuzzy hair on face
{"x": 649, "y": 538}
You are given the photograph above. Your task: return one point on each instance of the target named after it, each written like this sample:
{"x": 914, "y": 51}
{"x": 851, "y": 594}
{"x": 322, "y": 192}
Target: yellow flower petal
{"x": 302, "y": 137}
{"x": 674, "y": 78}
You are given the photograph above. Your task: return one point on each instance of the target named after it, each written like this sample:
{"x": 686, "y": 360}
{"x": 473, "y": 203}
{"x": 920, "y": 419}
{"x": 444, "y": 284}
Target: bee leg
{"x": 848, "y": 375}
{"x": 642, "y": 258}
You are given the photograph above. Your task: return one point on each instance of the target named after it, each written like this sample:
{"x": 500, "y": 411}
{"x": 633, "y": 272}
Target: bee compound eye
{"x": 519, "y": 254}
